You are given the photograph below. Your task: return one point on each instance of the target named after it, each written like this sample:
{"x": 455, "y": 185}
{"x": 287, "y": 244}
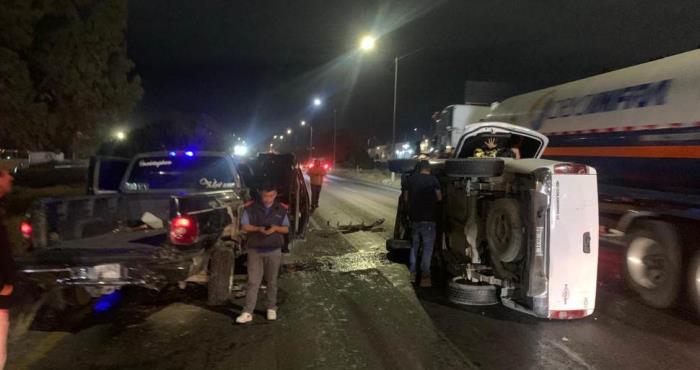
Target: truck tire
{"x": 474, "y": 167}
{"x": 402, "y": 165}
{"x": 694, "y": 282}
{"x": 653, "y": 263}
{"x": 221, "y": 266}
{"x": 461, "y": 291}
{"x": 504, "y": 230}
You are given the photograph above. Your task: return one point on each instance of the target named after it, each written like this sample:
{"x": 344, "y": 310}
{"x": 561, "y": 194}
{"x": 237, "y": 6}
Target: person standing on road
{"x": 265, "y": 221}
{"x": 7, "y": 263}
{"x": 316, "y": 175}
{"x": 422, "y": 194}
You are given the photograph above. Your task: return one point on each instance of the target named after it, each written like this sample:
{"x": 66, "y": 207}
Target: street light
{"x": 289, "y": 131}
{"x": 317, "y": 102}
{"x": 303, "y": 123}
{"x": 120, "y": 135}
{"x": 367, "y": 42}
{"x": 396, "y": 82}
{"x": 275, "y": 137}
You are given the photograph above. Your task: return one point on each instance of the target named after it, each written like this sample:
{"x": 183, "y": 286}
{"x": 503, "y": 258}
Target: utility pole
{"x": 393, "y": 121}
{"x": 335, "y": 121}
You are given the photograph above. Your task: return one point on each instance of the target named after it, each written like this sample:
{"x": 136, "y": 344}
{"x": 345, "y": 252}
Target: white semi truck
{"x": 639, "y": 127}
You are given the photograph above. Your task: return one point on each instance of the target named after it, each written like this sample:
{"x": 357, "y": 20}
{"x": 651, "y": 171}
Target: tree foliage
{"x": 65, "y": 76}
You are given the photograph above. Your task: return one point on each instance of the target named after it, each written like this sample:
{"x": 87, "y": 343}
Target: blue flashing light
{"x": 107, "y": 302}
{"x": 189, "y": 153}
{"x": 172, "y": 154}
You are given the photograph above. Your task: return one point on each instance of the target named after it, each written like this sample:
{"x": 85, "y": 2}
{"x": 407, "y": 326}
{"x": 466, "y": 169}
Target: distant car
{"x": 327, "y": 165}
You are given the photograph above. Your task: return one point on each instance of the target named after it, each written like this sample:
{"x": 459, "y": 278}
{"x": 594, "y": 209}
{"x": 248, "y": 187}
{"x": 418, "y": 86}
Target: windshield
{"x": 168, "y": 172}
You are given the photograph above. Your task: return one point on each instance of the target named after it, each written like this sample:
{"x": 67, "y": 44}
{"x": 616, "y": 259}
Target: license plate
{"x": 108, "y": 271}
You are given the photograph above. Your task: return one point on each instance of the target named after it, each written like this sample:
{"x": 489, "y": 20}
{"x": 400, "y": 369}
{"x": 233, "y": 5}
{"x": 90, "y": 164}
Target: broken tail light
{"x": 570, "y": 169}
{"x": 183, "y": 230}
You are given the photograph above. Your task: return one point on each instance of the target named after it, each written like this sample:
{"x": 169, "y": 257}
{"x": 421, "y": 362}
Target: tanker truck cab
{"x": 520, "y": 226}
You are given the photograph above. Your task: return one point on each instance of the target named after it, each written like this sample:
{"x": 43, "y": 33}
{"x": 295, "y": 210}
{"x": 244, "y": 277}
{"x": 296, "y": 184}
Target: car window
{"x": 175, "y": 172}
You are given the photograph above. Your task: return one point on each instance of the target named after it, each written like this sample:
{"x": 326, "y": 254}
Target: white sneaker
{"x": 244, "y": 318}
{"x": 272, "y": 315}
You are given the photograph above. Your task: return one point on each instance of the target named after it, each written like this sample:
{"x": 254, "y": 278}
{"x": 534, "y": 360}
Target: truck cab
{"x": 523, "y": 227}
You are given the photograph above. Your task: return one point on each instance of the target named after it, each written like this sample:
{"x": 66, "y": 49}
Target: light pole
{"x": 368, "y": 43}
{"x": 335, "y": 121}
{"x": 396, "y": 85}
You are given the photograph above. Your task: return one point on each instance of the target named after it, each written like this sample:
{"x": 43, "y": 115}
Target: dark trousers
{"x": 315, "y": 193}
{"x": 422, "y": 231}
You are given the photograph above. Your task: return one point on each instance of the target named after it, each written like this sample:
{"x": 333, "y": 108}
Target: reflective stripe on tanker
{"x": 650, "y": 159}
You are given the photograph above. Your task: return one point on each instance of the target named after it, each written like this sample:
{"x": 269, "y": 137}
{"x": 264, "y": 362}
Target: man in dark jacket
{"x": 7, "y": 263}
{"x": 422, "y": 194}
{"x": 265, "y": 222}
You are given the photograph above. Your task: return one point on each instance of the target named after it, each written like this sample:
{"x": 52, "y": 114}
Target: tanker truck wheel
{"x": 504, "y": 230}
{"x": 694, "y": 281}
{"x": 653, "y": 263}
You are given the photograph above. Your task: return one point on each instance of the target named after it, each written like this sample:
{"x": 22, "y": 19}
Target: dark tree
{"x": 65, "y": 78}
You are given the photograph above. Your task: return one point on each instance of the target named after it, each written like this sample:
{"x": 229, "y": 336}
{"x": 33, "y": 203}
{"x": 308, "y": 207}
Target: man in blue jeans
{"x": 422, "y": 194}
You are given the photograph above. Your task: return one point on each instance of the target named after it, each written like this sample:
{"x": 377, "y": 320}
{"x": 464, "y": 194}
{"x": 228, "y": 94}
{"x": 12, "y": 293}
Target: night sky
{"x": 254, "y": 66}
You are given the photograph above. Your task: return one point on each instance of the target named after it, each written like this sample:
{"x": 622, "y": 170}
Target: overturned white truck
{"x": 524, "y": 227}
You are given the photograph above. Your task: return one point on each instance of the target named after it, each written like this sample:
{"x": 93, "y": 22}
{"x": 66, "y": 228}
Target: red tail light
{"x": 325, "y": 166}
{"x": 311, "y": 165}
{"x": 567, "y": 315}
{"x": 26, "y": 228}
{"x": 183, "y": 230}
{"x": 570, "y": 169}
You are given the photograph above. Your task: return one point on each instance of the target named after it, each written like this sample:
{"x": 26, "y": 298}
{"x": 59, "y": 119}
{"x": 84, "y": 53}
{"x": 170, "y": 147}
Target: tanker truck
{"x": 639, "y": 127}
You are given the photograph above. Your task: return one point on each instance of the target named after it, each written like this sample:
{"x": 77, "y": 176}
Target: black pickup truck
{"x": 157, "y": 219}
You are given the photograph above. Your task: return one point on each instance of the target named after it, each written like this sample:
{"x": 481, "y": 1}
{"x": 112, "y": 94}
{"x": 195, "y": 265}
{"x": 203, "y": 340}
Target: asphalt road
{"x": 344, "y": 304}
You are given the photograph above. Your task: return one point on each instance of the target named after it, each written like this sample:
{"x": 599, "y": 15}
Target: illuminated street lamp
{"x": 289, "y": 131}
{"x": 303, "y": 123}
{"x": 367, "y": 42}
{"x": 275, "y": 137}
{"x": 120, "y": 135}
{"x": 317, "y": 102}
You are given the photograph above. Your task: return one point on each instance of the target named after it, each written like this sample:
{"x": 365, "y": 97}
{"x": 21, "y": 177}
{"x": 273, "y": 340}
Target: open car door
{"x": 105, "y": 174}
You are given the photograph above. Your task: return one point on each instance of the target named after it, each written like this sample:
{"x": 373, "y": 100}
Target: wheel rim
{"x": 647, "y": 262}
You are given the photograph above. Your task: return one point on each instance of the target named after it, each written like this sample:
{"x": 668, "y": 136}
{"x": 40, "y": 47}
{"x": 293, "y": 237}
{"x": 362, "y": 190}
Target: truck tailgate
{"x": 123, "y": 246}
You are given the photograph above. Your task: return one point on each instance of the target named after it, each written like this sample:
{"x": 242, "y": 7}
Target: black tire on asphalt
{"x": 402, "y": 165}
{"x": 504, "y": 230}
{"x": 694, "y": 281}
{"x": 648, "y": 244}
{"x": 474, "y": 167}
{"x": 460, "y": 291}
{"x": 221, "y": 267}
